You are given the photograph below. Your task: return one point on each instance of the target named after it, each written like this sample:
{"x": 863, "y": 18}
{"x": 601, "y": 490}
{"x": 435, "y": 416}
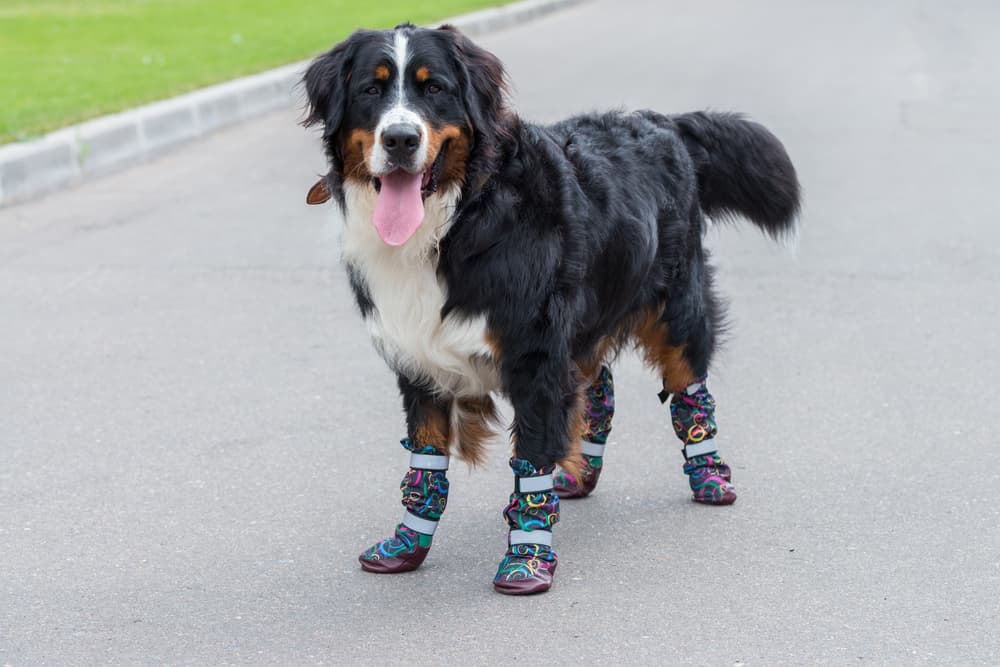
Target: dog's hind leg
{"x": 693, "y": 412}
{"x": 682, "y": 361}
{"x": 598, "y": 410}
{"x": 425, "y": 486}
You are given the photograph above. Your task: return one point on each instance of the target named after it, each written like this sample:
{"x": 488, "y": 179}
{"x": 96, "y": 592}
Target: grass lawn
{"x": 64, "y": 61}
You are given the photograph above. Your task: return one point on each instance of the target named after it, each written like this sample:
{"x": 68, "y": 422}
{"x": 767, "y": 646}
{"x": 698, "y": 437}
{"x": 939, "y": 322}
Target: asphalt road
{"x": 196, "y": 439}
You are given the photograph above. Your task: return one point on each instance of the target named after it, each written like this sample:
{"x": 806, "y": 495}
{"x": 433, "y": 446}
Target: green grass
{"x": 64, "y": 61}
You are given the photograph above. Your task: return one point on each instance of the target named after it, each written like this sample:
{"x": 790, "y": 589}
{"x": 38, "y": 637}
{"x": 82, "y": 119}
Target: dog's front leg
{"x": 538, "y": 379}
{"x": 425, "y": 486}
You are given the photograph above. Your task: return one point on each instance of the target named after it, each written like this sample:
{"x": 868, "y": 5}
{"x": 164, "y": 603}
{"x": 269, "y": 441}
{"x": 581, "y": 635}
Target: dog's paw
{"x": 710, "y": 481}
{"x": 567, "y": 485}
{"x": 525, "y": 569}
{"x": 400, "y": 553}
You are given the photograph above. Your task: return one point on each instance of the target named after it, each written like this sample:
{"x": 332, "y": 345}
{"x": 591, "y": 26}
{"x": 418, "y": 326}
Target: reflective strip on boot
{"x": 419, "y": 524}
{"x": 692, "y": 389}
{"x": 428, "y": 462}
{"x": 699, "y": 449}
{"x": 543, "y": 537}
{"x": 535, "y": 484}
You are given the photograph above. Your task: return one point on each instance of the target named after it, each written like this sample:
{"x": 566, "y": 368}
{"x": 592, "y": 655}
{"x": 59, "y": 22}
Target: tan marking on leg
{"x": 653, "y": 336}
{"x": 434, "y": 428}
{"x": 590, "y": 366}
{"x": 573, "y": 462}
{"x": 473, "y": 424}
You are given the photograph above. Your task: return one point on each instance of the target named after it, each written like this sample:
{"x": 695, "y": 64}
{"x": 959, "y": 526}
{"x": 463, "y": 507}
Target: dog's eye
{"x": 432, "y": 89}
{"x": 373, "y": 90}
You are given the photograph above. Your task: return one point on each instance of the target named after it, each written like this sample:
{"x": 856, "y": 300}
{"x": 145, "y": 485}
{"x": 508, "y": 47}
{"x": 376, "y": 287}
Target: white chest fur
{"x": 402, "y": 282}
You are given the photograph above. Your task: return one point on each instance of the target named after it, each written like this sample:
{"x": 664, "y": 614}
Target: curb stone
{"x": 109, "y": 143}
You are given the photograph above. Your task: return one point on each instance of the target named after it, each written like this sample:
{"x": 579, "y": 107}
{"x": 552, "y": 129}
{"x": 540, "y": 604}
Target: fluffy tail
{"x": 742, "y": 170}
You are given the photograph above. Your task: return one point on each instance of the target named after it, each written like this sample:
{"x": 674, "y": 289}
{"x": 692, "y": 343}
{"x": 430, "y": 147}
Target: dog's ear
{"x": 485, "y": 85}
{"x": 326, "y": 83}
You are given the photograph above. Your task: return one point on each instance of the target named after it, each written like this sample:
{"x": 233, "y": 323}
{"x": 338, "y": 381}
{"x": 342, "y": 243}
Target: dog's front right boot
{"x": 529, "y": 563}
{"x": 425, "y": 495}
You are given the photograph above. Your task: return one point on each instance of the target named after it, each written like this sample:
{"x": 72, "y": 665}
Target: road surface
{"x": 196, "y": 439}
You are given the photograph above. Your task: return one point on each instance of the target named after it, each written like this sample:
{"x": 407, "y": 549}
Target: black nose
{"x": 400, "y": 141}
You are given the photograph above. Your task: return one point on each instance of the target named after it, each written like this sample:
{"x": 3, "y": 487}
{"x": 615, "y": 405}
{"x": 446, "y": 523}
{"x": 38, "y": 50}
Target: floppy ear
{"x": 485, "y": 88}
{"x": 326, "y": 82}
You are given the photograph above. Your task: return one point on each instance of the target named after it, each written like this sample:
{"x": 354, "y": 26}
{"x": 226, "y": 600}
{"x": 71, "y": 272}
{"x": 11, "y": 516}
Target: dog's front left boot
{"x": 530, "y": 563}
{"x": 425, "y": 495}
{"x": 599, "y": 409}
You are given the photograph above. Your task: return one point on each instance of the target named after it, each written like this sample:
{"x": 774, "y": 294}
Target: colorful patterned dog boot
{"x": 425, "y": 495}
{"x": 710, "y": 480}
{"x": 600, "y": 408}
{"x": 529, "y": 563}
{"x": 568, "y": 485}
{"x": 693, "y": 413}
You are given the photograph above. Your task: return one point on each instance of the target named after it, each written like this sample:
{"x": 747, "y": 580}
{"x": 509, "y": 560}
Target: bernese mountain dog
{"x": 489, "y": 255}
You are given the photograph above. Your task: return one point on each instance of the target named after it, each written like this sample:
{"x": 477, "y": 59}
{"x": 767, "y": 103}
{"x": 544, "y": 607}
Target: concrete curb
{"x": 110, "y": 143}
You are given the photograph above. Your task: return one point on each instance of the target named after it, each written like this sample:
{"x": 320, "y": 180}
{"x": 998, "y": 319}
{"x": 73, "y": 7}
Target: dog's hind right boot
{"x": 693, "y": 413}
{"x": 599, "y": 409}
{"x": 425, "y": 495}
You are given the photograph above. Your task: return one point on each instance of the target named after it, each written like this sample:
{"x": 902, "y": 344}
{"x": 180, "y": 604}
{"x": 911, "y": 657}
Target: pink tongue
{"x": 399, "y": 209}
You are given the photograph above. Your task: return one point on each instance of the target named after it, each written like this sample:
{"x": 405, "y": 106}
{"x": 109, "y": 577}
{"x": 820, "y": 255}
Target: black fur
{"x": 360, "y": 289}
{"x": 567, "y": 234}
{"x": 742, "y": 169}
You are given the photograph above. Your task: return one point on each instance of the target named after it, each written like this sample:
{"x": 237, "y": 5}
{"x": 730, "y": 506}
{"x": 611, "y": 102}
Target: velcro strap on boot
{"x": 429, "y": 461}
{"x": 534, "y": 484}
{"x": 419, "y": 524}
{"x": 591, "y": 448}
{"x": 692, "y": 389}
{"x": 699, "y": 449}
{"x": 543, "y": 537}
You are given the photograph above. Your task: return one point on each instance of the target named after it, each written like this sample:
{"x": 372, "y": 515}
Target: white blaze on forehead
{"x": 399, "y": 111}
{"x": 400, "y": 44}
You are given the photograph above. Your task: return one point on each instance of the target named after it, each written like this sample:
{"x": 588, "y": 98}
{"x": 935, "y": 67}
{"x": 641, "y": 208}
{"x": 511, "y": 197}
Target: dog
{"x": 489, "y": 255}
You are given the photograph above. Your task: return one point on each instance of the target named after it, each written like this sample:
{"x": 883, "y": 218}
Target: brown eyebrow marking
{"x": 382, "y": 73}
{"x": 423, "y": 74}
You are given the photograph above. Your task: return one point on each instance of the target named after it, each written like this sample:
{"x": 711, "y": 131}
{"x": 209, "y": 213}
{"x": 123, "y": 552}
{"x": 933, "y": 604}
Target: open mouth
{"x": 429, "y": 181}
{"x": 399, "y": 202}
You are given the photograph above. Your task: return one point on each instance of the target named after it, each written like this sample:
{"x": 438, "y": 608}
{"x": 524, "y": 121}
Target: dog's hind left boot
{"x": 693, "y": 413}
{"x": 530, "y": 563}
{"x": 599, "y": 409}
{"x": 425, "y": 495}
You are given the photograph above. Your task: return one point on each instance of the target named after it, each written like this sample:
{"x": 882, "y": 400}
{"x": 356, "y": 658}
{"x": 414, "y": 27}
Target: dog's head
{"x": 407, "y": 112}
